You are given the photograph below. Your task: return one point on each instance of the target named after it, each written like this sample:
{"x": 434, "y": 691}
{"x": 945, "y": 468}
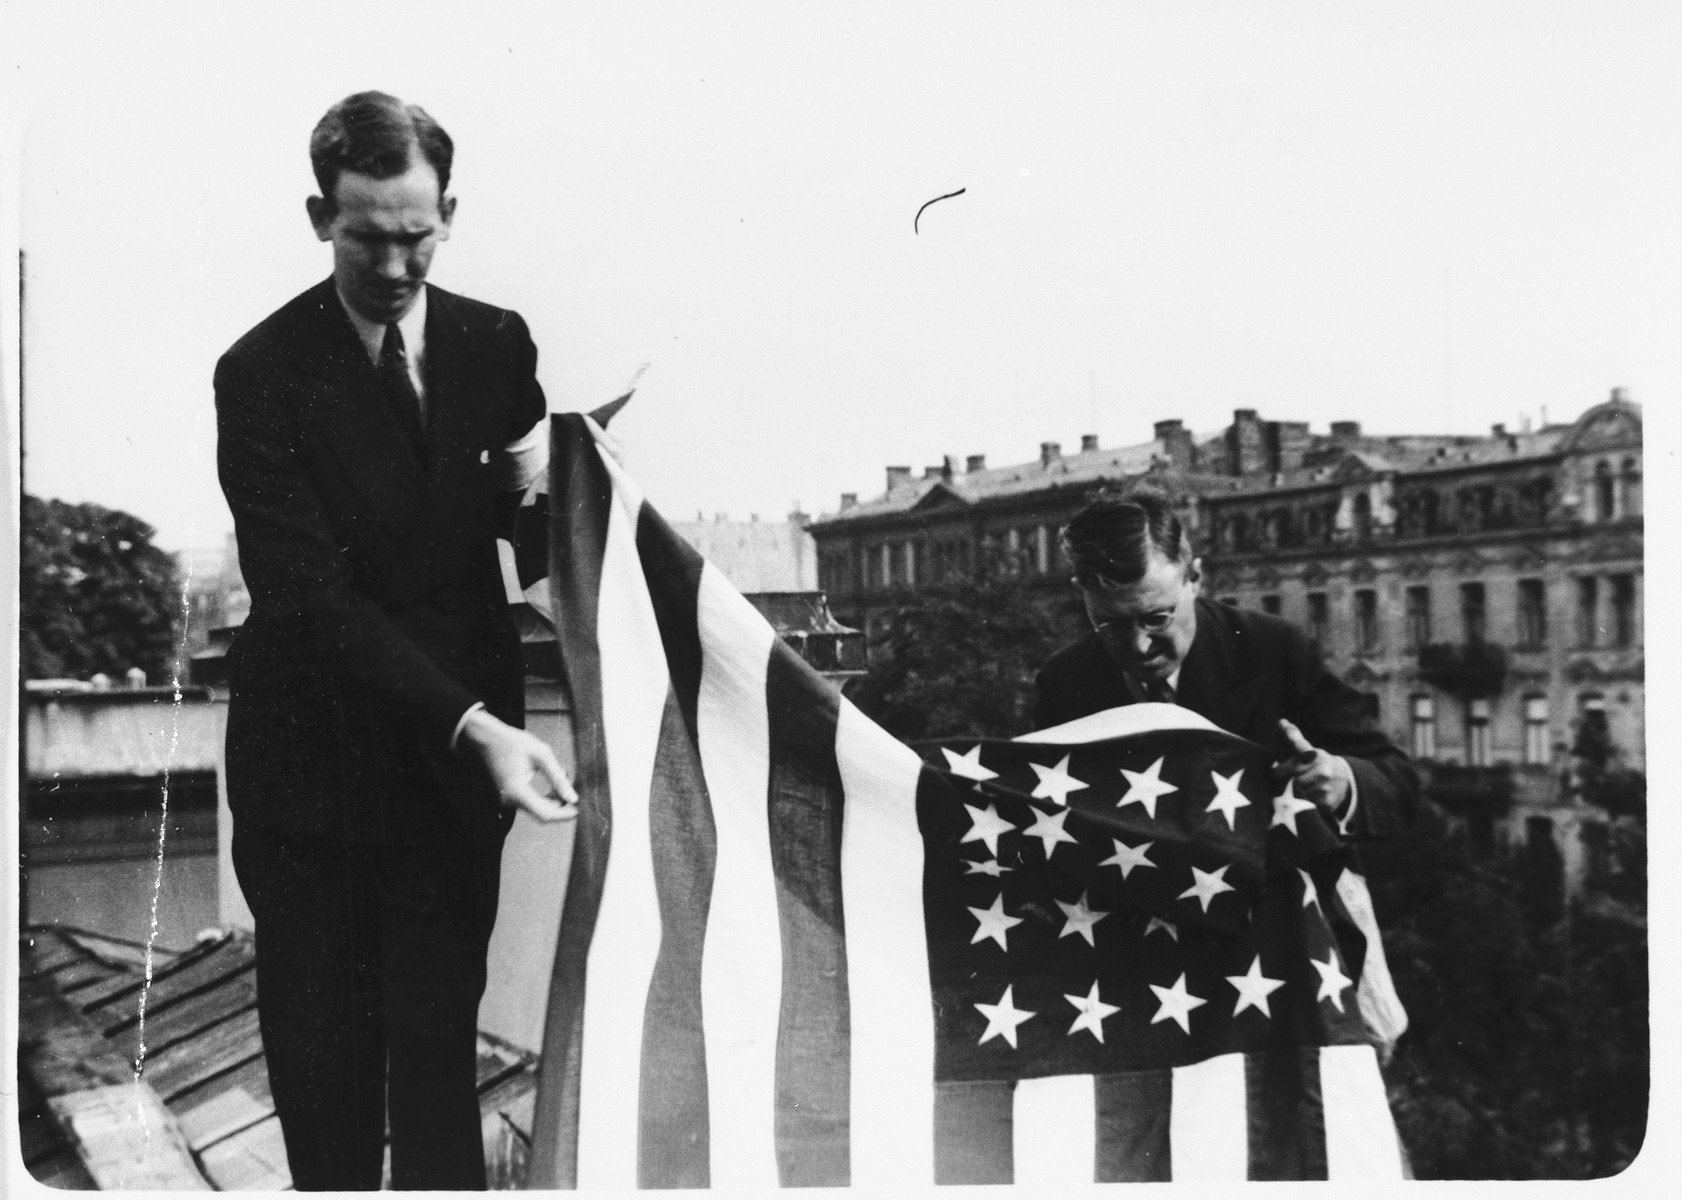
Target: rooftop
{"x": 1310, "y": 459}
{"x": 199, "y": 1116}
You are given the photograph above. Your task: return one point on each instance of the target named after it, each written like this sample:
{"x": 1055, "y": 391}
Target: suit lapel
{"x": 451, "y": 460}
{"x": 1210, "y": 681}
{"x": 355, "y": 416}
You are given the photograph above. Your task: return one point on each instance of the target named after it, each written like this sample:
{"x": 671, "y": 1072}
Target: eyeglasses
{"x": 1158, "y": 622}
{"x": 1149, "y": 623}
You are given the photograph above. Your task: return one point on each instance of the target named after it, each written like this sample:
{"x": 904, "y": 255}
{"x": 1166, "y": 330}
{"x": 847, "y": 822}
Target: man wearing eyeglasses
{"x": 1155, "y": 638}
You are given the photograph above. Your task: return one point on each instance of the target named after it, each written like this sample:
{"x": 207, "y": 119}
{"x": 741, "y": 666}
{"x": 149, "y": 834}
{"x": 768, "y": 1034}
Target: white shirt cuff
{"x": 520, "y": 464}
{"x": 462, "y": 724}
{"x": 1348, "y": 773}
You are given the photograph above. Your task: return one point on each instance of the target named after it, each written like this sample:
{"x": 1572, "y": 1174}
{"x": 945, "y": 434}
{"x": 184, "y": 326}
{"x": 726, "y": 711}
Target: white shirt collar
{"x": 412, "y": 324}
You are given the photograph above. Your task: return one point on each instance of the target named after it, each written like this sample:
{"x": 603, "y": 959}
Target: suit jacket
{"x": 378, "y": 612}
{"x": 1245, "y": 670}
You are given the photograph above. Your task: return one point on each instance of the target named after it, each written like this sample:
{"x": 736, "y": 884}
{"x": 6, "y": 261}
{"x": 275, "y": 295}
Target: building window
{"x": 1631, "y": 479}
{"x": 1477, "y": 733}
{"x": 1318, "y": 617}
{"x": 1419, "y": 617}
{"x": 1230, "y": 601}
{"x": 1532, "y": 613}
{"x": 1363, "y": 517}
{"x": 1424, "y": 727}
{"x": 1588, "y": 610}
{"x": 1623, "y": 610}
{"x": 1473, "y": 613}
{"x": 1538, "y": 748}
{"x": 876, "y": 560}
{"x": 1270, "y": 603}
{"x": 1042, "y": 535}
{"x": 1366, "y": 621}
{"x": 1605, "y": 493}
{"x": 1534, "y": 499}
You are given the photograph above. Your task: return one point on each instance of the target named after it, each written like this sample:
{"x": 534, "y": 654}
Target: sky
{"x": 1424, "y": 217}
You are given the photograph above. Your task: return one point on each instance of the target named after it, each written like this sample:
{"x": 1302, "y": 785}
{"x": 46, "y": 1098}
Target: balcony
{"x": 1470, "y": 670}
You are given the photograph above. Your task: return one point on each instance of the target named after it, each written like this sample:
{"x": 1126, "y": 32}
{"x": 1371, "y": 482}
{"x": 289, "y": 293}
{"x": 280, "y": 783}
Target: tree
{"x": 96, "y": 596}
{"x": 962, "y": 661}
{"x": 1601, "y": 780}
{"x": 1526, "y": 1056}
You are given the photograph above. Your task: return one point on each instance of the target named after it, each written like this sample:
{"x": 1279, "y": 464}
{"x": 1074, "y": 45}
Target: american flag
{"x": 795, "y": 951}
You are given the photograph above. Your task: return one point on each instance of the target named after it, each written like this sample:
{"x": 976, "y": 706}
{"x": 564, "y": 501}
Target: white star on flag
{"x": 1177, "y": 1003}
{"x": 1092, "y": 1013}
{"x": 1208, "y": 885}
{"x": 968, "y": 765}
{"x": 1254, "y": 989}
{"x": 1228, "y": 799}
{"x": 1168, "y": 927}
{"x": 1055, "y": 782}
{"x": 986, "y": 827}
{"x": 1127, "y": 857}
{"x": 1048, "y": 827}
{"x": 1080, "y": 920}
{"x": 993, "y": 922}
{"x": 1144, "y": 787}
{"x": 1002, "y": 1019}
{"x": 989, "y": 866}
{"x": 1332, "y": 979}
{"x": 1286, "y": 806}
{"x": 1310, "y": 893}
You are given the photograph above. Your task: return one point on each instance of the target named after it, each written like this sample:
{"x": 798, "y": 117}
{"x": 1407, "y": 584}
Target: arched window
{"x": 1630, "y": 478}
{"x": 1605, "y": 493}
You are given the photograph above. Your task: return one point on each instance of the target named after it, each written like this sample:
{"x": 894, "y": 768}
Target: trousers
{"x": 370, "y": 968}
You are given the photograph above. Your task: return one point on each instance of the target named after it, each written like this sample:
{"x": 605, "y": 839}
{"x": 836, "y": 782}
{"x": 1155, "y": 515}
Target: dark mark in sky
{"x": 936, "y": 200}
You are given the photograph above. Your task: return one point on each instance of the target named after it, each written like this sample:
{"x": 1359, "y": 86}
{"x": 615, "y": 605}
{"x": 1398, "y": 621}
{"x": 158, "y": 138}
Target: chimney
{"x": 949, "y": 467}
{"x": 1050, "y": 452}
{"x": 849, "y": 500}
{"x": 1288, "y": 444}
{"x": 1345, "y": 431}
{"x": 898, "y": 477}
{"x": 975, "y": 462}
{"x": 1246, "y": 445}
{"x": 1088, "y": 441}
{"x": 1620, "y": 395}
{"x": 1498, "y": 430}
{"x": 1176, "y": 443}
{"x": 931, "y": 472}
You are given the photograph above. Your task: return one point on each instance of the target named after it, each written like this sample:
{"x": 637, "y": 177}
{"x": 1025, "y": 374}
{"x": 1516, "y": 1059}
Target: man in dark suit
{"x": 369, "y": 432}
{"x": 1155, "y": 638}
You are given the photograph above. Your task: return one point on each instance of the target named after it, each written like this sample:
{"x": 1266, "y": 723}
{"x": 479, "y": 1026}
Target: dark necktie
{"x": 394, "y": 374}
{"x": 1158, "y": 690}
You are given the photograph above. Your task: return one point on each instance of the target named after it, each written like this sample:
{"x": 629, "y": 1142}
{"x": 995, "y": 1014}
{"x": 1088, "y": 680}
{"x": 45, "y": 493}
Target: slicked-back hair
{"x": 1109, "y": 541}
{"x": 377, "y": 135}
